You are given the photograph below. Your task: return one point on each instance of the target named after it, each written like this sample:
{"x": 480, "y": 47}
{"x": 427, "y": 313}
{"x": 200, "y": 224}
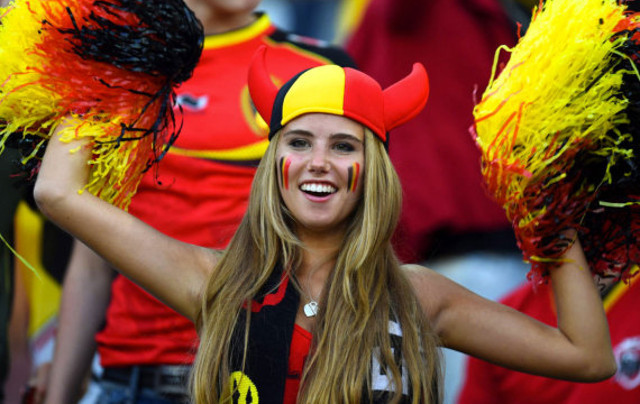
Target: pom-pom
{"x": 113, "y": 64}
{"x": 559, "y": 135}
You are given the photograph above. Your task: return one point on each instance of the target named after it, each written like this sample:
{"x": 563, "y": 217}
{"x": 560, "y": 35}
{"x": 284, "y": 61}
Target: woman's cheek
{"x": 353, "y": 173}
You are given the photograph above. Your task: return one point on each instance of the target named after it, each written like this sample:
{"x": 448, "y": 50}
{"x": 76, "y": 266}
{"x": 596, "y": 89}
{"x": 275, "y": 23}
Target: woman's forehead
{"x": 319, "y": 124}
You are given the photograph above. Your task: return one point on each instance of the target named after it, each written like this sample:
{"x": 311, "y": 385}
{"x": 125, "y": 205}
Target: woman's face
{"x": 320, "y": 161}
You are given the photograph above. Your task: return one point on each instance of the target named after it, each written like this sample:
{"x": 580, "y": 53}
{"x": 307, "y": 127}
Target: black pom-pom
{"x": 166, "y": 42}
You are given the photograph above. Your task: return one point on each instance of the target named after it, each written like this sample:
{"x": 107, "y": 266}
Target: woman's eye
{"x": 344, "y": 147}
{"x": 298, "y": 143}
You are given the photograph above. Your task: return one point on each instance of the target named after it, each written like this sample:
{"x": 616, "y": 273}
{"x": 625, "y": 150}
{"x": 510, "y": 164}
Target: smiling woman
{"x": 309, "y": 303}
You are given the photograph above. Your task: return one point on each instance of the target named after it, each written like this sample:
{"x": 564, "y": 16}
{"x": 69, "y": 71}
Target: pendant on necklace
{"x": 311, "y": 308}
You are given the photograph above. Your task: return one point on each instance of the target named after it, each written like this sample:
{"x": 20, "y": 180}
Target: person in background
{"x": 448, "y": 222}
{"x": 42, "y": 255}
{"x": 8, "y": 203}
{"x": 486, "y": 383}
{"x": 198, "y": 194}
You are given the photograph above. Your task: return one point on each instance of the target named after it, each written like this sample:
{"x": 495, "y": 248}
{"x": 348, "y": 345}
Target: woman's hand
{"x": 64, "y": 170}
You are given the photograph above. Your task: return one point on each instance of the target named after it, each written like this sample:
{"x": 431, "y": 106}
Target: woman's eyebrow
{"x": 345, "y": 136}
{"x": 298, "y": 132}
{"x": 333, "y": 136}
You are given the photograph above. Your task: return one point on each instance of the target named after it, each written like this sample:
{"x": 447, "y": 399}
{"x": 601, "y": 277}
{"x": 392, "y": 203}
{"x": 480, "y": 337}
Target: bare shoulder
{"x": 438, "y": 295}
{"x": 431, "y": 288}
{"x": 425, "y": 278}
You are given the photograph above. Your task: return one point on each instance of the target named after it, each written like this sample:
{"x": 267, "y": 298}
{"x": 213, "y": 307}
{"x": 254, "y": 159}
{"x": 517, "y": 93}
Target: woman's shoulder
{"x": 436, "y": 293}
{"x": 426, "y": 284}
{"x": 427, "y": 281}
{"x": 417, "y": 273}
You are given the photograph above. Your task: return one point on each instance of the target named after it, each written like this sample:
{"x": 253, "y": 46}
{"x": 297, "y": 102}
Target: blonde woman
{"x": 308, "y": 303}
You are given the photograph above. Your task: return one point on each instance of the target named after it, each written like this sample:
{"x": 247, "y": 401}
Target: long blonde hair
{"x": 366, "y": 290}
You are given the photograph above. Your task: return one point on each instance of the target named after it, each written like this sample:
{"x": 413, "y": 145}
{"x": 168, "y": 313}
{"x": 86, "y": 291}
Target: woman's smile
{"x": 318, "y": 191}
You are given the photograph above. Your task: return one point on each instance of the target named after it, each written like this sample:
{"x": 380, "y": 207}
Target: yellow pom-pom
{"x": 558, "y": 100}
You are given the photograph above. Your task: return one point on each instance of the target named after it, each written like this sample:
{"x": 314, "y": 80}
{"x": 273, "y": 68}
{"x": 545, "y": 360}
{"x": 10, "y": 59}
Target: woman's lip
{"x": 318, "y": 198}
{"x": 315, "y": 198}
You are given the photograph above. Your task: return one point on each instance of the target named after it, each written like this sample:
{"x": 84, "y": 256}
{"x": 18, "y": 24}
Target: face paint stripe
{"x": 355, "y": 176}
{"x": 284, "y": 171}
{"x": 353, "y": 173}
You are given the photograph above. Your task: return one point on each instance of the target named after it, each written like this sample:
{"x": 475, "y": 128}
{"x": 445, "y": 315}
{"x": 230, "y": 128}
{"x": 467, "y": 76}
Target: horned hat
{"x": 335, "y": 90}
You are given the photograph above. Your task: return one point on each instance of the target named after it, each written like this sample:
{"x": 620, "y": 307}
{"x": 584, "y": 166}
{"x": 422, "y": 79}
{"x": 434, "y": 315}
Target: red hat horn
{"x": 262, "y": 90}
{"x": 406, "y": 98}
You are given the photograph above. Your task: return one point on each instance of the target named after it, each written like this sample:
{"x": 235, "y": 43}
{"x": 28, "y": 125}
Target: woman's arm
{"x": 579, "y": 349}
{"x": 172, "y": 271}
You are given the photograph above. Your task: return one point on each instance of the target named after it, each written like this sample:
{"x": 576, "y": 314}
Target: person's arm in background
{"x": 18, "y": 341}
{"x": 85, "y": 297}
{"x": 12, "y": 325}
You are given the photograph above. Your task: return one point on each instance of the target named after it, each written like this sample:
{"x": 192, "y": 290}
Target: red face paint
{"x": 353, "y": 173}
{"x": 284, "y": 171}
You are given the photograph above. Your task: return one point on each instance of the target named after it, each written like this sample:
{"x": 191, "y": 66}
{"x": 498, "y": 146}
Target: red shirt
{"x": 298, "y": 352}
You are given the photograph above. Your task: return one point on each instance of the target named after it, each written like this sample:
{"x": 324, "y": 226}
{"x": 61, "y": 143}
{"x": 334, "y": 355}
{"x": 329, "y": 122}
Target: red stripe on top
{"x": 298, "y": 352}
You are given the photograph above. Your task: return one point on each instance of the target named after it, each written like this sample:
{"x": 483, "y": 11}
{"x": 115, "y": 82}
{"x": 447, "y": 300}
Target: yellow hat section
{"x": 316, "y": 90}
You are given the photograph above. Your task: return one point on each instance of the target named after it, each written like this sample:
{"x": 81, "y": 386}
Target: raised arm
{"x": 579, "y": 349}
{"x": 172, "y": 271}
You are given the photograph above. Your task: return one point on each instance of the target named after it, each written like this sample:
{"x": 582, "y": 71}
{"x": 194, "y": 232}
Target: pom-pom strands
{"x": 558, "y": 137}
{"x": 111, "y": 64}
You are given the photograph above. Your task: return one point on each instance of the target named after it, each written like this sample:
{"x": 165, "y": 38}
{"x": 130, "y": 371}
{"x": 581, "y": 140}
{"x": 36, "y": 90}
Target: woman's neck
{"x": 320, "y": 252}
{"x": 217, "y": 22}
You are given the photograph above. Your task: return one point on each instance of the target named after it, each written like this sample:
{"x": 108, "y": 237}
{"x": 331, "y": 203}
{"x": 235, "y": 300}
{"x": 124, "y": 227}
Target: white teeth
{"x": 318, "y": 188}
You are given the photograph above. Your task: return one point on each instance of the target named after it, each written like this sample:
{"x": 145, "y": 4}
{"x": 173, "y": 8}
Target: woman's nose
{"x": 319, "y": 161}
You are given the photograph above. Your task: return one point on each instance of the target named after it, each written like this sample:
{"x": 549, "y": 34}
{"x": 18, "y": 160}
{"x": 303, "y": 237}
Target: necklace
{"x": 311, "y": 308}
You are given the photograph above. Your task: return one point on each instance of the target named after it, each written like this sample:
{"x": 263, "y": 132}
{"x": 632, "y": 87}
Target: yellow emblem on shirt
{"x": 242, "y": 389}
